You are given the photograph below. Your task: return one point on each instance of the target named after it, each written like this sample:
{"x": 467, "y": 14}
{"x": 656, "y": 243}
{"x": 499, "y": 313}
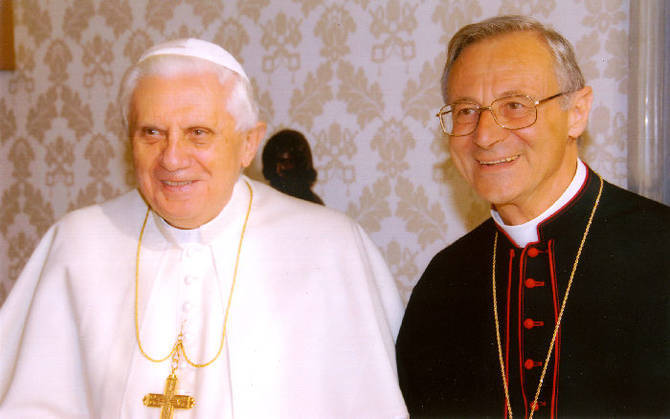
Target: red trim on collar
{"x": 504, "y": 233}
{"x": 566, "y": 205}
{"x": 552, "y": 216}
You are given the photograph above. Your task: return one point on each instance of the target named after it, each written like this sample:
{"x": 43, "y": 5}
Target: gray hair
{"x": 568, "y": 73}
{"x": 240, "y": 103}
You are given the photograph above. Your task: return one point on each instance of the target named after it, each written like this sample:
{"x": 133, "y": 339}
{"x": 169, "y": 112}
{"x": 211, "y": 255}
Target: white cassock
{"x": 311, "y": 330}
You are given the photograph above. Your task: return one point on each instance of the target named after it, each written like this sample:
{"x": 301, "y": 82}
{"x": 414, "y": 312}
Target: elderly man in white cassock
{"x": 202, "y": 294}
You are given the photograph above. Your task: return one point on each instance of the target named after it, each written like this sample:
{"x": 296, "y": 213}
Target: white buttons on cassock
{"x": 194, "y": 251}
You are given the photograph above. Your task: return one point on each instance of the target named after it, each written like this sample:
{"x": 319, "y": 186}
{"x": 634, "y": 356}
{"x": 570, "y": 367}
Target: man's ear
{"x": 252, "y": 140}
{"x": 578, "y": 114}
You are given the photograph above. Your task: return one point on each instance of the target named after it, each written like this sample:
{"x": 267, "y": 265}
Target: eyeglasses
{"x": 511, "y": 112}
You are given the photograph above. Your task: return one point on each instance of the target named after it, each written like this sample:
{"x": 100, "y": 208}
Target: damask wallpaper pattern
{"x": 359, "y": 77}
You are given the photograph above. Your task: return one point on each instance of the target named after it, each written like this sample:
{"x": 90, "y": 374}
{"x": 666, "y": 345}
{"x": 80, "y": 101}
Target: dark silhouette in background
{"x": 287, "y": 165}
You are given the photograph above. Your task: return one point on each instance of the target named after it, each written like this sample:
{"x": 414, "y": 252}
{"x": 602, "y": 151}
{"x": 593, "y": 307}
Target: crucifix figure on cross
{"x": 169, "y": 401}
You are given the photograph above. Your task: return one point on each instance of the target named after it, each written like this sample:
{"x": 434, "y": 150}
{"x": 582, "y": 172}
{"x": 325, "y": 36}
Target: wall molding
{"x": 645, "y": 102}
{"x": 7, "y": 61}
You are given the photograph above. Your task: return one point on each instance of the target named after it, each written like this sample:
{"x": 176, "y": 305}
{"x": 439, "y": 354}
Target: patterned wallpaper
{"x": 359, "y": 78}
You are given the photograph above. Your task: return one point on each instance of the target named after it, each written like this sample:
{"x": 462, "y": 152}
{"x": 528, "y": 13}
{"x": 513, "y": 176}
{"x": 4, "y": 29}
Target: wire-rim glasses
{"x": 510, "y": 112}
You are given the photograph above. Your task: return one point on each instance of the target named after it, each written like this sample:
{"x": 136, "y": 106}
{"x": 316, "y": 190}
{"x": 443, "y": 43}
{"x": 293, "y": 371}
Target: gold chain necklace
{"x": 169, "y": 400}
{"x": 558, "y": 320}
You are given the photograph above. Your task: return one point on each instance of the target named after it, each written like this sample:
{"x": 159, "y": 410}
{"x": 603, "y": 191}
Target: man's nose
{"x": 488, "y": 131}
{"x": 175, "y": 154}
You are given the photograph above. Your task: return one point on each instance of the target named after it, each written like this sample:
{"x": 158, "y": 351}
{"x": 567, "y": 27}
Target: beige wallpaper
{"x": 358, "y": 77}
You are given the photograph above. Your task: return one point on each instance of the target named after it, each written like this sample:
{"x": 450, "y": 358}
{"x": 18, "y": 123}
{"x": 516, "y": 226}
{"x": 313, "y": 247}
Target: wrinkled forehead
{"x": 178, "y": 71}
{"x": 522, "y": 58}
{"x": 184, "y": 97}
{"x": 204, "y": 81}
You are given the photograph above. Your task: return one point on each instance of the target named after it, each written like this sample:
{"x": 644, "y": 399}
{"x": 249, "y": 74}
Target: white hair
{"x": 240, "y": 103}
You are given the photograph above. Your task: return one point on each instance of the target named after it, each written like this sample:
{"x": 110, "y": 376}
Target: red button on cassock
{"x": 531, "y": 283}
{"x": 530, "y": 323}
{"x": 532, "y": 252}
{"x": 530, "y": 364}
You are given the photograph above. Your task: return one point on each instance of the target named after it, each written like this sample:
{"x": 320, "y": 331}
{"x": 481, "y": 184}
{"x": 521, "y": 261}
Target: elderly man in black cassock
{"x": 557, "y": 305}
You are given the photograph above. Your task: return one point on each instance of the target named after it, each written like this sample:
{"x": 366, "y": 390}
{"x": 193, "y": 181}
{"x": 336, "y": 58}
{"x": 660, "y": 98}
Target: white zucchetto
{"x": 192, "y": 47}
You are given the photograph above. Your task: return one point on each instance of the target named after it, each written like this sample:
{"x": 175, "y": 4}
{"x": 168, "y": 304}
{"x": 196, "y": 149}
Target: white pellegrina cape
{"x": 311, "y": 330}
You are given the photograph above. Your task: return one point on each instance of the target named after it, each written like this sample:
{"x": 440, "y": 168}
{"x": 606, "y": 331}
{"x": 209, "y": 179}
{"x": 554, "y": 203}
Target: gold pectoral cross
{"x": 169, "y": 401}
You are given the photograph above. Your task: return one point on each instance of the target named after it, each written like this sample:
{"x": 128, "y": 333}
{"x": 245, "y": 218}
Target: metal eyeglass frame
{"x": 481, "y": 109}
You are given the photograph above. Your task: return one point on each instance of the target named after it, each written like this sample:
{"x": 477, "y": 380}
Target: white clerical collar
{"x": 237, "y": 205}
{"x": 525, "y": 233}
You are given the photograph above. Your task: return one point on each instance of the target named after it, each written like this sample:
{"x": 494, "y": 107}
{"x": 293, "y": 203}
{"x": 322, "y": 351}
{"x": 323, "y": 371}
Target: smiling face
{"x": 521, "y": 172}
{"x": 186, "y": 151}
